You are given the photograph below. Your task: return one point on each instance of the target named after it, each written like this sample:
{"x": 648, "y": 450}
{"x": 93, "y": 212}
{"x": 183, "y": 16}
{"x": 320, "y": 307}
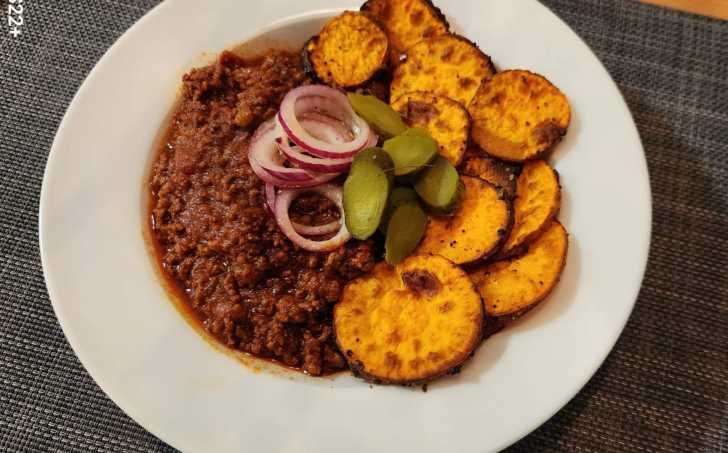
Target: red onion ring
{"x": 283, "y": 204}
{"x": 322, "y": 99}
{"x": 306, "y": 230}
{"x": 264, "y": 150}
{"x": 286, "y": 184}
{"x": 270, "y": 197}
{"x": 325, "y": 127}
{"x": 307, "y": 162}
{"x": 316, "y": 230}
{"x": 322, "y": 104}
{"x": 373, "y": 140}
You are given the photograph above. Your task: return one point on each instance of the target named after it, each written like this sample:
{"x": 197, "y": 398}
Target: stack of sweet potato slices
{"x": 502, "y": 250}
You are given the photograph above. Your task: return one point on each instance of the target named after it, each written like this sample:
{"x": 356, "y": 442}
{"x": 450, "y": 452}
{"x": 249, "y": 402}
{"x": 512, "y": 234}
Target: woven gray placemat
{"x": 663, "y": 388}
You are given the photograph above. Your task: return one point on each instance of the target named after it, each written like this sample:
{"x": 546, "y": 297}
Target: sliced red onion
{"x": 283, "y": 204}
{"x": 323, "y": 104}
{"x": 264, "y": 152}
{"x": 325, "y": 128}
{"x": 307, "y": 230}
{"x": 316, "y": 230}
{"x": 286, "y": 184}
{"x": 324, "y": 100}
{"x": 270, "y": 197}
{"x": 266, "y": 162}
{"x": 326, "y": 110}
{"x": 373, "y": 140}
{"x": 318, "y": 164}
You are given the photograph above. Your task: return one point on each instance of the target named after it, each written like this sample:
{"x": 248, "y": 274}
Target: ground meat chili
{"x": 250, "y": 287}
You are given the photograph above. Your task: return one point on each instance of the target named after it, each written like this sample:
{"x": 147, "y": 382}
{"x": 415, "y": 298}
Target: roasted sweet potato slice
{"x": 477, "y": 228}
{"x": 448, "y": 65}
{"x": 538, "y": 199}
{"x": 511, "y": 287}
{"x": 406, "y": 22}
{"x": 410, "y": 323}
{"x": 447, "y": 121}
{"x": 497, "y": 172}
{"x": 518, "y": 115}
{"x": 349, "y": 51}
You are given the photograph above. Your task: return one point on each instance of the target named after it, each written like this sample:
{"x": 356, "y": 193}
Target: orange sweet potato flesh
{"x": 476, "y": 229}
{"x": 511, "y": 287}
{"x": 410, "y": 323}
{"x": 538, "y": 199}
{"x": 447, "y": 65}
{"x": 447, "y": 121}
{"x": 518, "y": 115}
{"x": 406, "y": 22}
{"x": 349, "y": 50}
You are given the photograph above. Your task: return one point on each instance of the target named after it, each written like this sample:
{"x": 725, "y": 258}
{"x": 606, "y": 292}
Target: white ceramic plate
{"x": 142, "y": 353}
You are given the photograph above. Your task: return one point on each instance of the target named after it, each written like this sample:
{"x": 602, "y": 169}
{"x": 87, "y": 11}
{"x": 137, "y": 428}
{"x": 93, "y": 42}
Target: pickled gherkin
{"x": 383, "y": 118}
{"x": 404, "y": 232}
{"x": 398, "y": 197}
{"x": 365, "y": 197}
{"x": 377, "y": 156}
{"x": 439, "y": 186}
{"x": 410, "y": 153}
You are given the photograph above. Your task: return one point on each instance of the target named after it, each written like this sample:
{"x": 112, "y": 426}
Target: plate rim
{"x": 146, "y": 422}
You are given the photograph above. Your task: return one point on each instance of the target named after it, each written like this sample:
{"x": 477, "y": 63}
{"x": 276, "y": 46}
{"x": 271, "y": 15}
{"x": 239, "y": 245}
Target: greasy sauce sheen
{"x": 216, "y": 242}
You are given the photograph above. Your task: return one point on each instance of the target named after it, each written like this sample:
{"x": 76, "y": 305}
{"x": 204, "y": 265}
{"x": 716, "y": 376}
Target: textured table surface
{"x": 663, "y": 388}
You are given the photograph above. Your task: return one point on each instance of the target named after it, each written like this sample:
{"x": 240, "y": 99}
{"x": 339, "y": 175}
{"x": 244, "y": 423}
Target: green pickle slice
{"x": 374, "y": 155}
{"x": 366, "y": 190}
{"x": 398, "y": 197}
{"x": 383, "y": 118}
{"x": 410, "y": 153}
{"x": 439, "y": 186}
{"x": 405, "y": 231}
{"x": 377, "y": 156}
